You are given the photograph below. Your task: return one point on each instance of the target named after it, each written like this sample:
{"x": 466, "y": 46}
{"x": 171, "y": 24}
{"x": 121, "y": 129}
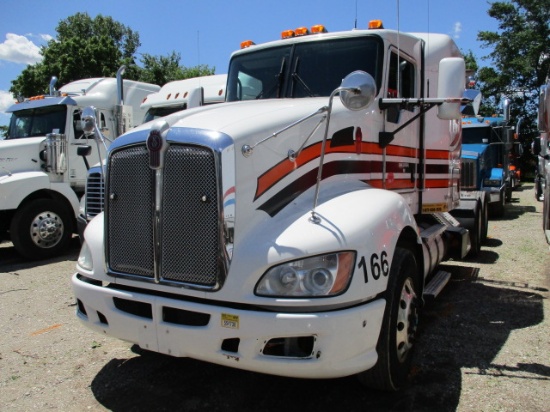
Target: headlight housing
{"x": 321, "y": 276}
{"x": 85, "y": 257}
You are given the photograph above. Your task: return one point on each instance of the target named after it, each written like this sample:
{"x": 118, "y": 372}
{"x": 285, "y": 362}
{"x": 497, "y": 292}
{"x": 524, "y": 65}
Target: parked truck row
{"x": 297, "y": 228}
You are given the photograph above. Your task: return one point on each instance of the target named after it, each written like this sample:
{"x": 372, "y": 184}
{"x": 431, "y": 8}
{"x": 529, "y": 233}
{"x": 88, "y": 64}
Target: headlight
{"x": 325, "y": 275}
{"x": 491, "y": 182}
{"x": 85, "y": 257}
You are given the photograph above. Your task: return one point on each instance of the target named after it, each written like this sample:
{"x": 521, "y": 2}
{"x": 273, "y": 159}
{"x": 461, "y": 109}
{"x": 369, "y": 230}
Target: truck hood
{"x": 20, "y": 155}
{"x": 240, "y": 119}
{"x": 473, "y": 151}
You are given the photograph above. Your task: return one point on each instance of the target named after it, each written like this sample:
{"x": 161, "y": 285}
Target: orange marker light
{"x": 376, "y": 24}
{"x": 287, "y": 34}
{"x": 318, "y": 28}
{"x": 247, "y": 43}
{"x": 301, "y": 31}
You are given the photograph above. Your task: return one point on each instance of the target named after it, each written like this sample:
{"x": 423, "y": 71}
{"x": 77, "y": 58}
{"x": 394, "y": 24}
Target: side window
{"x": 77, "y": 127}
{"x": 401, "y": 77}
{"x": 401, "y": 84}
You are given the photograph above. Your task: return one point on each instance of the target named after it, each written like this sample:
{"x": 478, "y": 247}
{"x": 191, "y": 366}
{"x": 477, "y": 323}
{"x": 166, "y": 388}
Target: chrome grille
{"x": 189, "y": 235}
{"x": 95, "y": 190}
{"x": 468, "y": 174}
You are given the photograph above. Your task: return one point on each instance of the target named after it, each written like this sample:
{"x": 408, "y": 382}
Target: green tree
{"x": 520, "y": 56}
{"x": 84, "y": 47}
{"x": 163, "y": 69}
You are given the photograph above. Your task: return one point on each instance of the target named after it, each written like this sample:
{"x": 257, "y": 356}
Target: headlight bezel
{"x": 85, "y": 258}
{"x": 319, "y": 276}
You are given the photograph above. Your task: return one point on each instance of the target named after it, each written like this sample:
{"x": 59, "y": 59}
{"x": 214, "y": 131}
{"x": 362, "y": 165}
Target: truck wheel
{"x": 476, "y": 232}
{"x": 497, "y": 209}
{"x": 399, "y": 326}
{"x": 484, "y": 221}
{"x": 40, "y": 229}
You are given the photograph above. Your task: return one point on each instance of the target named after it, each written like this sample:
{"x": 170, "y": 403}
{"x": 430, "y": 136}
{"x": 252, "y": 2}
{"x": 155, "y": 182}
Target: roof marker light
{"x": 318, "y": 28}
{"x": 287, "y": 34}
{"x": 247, "y": 43}
{"x": 376, "y": 24}
{"x": 301, "y": 31}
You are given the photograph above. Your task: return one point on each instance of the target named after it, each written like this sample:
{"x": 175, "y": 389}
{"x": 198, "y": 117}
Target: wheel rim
{"x": 407, "y": 320}
{"x": 47, "y": 229}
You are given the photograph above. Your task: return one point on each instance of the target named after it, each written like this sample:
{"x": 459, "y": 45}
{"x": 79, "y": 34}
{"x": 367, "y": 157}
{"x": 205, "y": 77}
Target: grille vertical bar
{"x": 95, "y": 194}
{"x": 190, "y": 216}
{"x": 468, "y": 175}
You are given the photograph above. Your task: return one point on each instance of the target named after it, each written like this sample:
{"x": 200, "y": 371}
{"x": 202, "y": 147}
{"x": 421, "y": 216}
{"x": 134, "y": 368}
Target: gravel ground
{"x": 483, "y": 344}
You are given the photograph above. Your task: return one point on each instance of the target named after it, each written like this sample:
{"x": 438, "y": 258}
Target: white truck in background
{"x": 288, "y": 231}
{"x": 42, "y": 160}
{"x": 184, "y": 94}
{"x": 172, "y": 97}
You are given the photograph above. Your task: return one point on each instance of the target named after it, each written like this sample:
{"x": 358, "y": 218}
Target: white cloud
{"x": 19, "y": 49}
{"x": 6, "y": 100}
{"x": 457, "y": 29}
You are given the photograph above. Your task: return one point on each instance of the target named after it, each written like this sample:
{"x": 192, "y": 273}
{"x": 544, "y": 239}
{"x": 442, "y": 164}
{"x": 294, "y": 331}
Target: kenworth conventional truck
{"x": 172, "y": 97}
{"x": 297, "y": 228}
{"x": 42, "y": 176}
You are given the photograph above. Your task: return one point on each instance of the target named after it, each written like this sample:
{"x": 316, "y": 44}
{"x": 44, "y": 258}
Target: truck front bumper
{"x": 318, "y": 344}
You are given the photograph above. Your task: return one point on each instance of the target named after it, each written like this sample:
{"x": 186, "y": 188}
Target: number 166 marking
{"x": 378, "y": 266}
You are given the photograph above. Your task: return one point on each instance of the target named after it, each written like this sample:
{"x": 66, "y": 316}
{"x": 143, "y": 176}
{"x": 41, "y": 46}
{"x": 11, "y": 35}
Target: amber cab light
{"x": 318, "y": 28}
{"x": 247, "y": 43}
{"x": 375, "y": 24}
{"x": 287, "y": 34}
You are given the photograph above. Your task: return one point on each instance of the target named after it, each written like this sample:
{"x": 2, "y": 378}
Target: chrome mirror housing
{"x": 358, "y": 90}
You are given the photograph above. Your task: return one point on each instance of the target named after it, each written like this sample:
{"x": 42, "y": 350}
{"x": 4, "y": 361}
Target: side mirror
{"x": 358, "y": 90}
{"x": 88, "y": 121}
{"x": 450, "y": 85}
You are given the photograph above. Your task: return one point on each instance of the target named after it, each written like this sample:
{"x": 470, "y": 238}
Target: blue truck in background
{"x": 487, "y": 159}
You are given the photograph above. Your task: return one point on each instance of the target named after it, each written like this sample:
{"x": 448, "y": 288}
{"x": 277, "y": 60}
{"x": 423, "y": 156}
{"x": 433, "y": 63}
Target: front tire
{"x": 399, "y": 326}
{"x": 40, "y": 229}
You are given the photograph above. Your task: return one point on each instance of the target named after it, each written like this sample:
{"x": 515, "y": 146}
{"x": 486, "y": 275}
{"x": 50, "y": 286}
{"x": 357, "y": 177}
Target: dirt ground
{"x": 484, "y": 344}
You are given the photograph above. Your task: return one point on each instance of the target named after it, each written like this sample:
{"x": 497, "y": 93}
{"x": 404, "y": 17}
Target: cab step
{"x": 436, "y": 284}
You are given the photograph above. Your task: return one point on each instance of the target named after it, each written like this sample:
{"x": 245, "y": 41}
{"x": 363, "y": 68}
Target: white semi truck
{"x": 42, "y": 174}
{"x": 297, "y": 228}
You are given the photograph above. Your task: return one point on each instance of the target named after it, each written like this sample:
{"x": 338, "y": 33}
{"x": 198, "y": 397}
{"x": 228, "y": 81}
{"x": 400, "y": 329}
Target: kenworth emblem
{"x": 157, "y": 145}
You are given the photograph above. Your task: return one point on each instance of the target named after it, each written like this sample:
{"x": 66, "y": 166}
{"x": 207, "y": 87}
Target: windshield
{"x": 37, "y": 122}
{"x": 156, "y": 112}
{"x": 309, "y": 69}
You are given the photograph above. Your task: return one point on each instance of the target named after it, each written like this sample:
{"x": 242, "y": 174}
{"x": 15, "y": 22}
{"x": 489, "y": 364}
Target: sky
{"x": 208, "y": 31}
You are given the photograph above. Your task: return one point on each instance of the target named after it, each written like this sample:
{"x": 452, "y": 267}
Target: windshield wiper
{"x": 296, "y": 78}
{"x": 278, "y": 84}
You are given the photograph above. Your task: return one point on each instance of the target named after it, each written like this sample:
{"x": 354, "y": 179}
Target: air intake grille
{"x": 468, "y": 176}
{"x": 189, "y": 225}
{"x": 95, "y": 191}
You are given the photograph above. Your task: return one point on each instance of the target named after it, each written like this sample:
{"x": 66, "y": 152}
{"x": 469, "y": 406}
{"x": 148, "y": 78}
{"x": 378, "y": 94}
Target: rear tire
{"x": 40, "y": 229}
{"x": 399, "y": 326}
{"x": 476, "y": 234}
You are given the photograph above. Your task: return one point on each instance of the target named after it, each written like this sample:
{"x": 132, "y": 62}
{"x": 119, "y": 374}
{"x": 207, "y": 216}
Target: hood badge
{"x": 157, "y": 144}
